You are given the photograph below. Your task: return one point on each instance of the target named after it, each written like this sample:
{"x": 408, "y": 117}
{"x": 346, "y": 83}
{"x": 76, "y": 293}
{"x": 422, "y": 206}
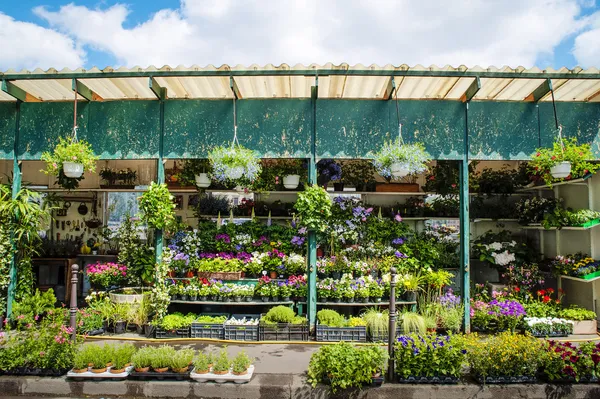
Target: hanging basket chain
{"x": 398, "y": 119}
{"x": 75, "y": 117}
{"x": 235, "y": 138}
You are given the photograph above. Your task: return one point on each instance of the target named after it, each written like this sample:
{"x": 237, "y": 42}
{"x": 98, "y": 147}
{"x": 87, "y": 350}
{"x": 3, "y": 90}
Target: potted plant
{"x": 565, "y": 160}
{"x": 142, "y": 359}
{"x": 234, "y": 164}
{"x": 376, "y": 291}
{"x": 69, "y": 160}
{"x": 99, "y": 358}
{"x": 121, "y": 358}
{"x": 328, "y": 170}
{"x": 161, "y": 358}
{"x": 282, "y": 324}
{"x": 121, "y": 316}
{"x": 410, "y": 283}
{"x": 360, "y": 173}
{"x": 181, "y": 360}
{"x": 202, "y": 364}
{"x": 195, "y": 171}
{"x": 241, "y": 363}
{"x": 157, "y": 207}
{"x": 222, "y": 363}
{"x": 292, "y": 170}
{"x": 314, "y": 208}
{"x": 397, "y": 159}
{"x": 81, "y": 361}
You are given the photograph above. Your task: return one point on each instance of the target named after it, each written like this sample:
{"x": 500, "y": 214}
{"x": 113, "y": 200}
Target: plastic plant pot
{"x": 561, "y": 170}
{"x": 202, "y": 180}
{"x": 73, "y": 170}
{"x": 291, "y": 181}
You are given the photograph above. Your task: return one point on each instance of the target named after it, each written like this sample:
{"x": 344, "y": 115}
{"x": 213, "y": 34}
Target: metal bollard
{"x": 73, "y": 307}
{"x": 392, "y": 325}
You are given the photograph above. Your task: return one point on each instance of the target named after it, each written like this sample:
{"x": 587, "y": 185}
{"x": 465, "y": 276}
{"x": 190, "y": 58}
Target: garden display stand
{"x": 107, "y": 375}
{"x": 221, "y": 378}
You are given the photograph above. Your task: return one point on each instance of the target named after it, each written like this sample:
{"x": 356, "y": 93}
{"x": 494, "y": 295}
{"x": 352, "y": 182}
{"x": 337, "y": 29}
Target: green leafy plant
{"x": 330, "y": 318}
{"x": 222, "y": 362}
{"x": 577, "y": 314}
{"x": 121, "y": 356}
{"x": 429, "y": 356}
{"x": 377, "y": 322}
{"x": 157, "y": 207}
{"x": 412, "y": 156}
{"x": 181, "y": 359}
{"x": 143, "y": 357}
{"x": 241, "y": 363}
{"x": 69, "y": 150}
{"x": 161, "y": 357}
{"x": 411, "y": 322}
{"x": 234, "y": 164}
{"x": 279, "y": 314}
{"x": 314, "y": 208}
{"x": 202, "y": 363}
{"x": 563, "y": 150}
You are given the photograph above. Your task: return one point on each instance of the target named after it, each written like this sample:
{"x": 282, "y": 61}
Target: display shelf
{"x": 227, "y": 216}
{"x": 536, "y": 227}
{"x": 257, "y": 303}
{"x": 480, "y": 220}
{"x": 575, "y": 182}
{"x": 361, "y": 303}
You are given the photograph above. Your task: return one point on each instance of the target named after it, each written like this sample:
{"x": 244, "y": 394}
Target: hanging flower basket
{"x": 291, "y": 181}
{"x": 564, "y": 160}
{"x": 396, "y": 160}
{"x": 69, "y": 160}
{"x": 234, "y": 164}
{"x": 314, "y": 208}
{"x": 202, "y": 180}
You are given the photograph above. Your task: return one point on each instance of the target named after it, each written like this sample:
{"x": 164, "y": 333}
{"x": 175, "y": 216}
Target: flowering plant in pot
{"x": 106, "y": 275}
{"x": 397, "y": 159}
{"x": 234, "y": 164}
{"x": 292, "y": 172}
{"x": 328, "y": 170}
{"x": 69, "y": 160}
{"x": 565, "y": 160}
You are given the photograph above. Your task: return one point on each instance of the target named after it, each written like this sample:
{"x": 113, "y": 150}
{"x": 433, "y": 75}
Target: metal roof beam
{"x": 158, "y": 90}
{"x": 234, "y": 88}
{"x": 85, "y": 91}
{"x": 471, "y": 91}
{"x": 15, "y": 91}
{"x": 540, "y": 92}
{"x": 391, "y": 89}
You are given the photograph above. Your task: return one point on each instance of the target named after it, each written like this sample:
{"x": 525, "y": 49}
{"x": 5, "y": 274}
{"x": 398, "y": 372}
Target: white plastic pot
{"x": 561, "y": 170}
{"x": 291, "y": 181}
{"x": 73, "y": 170}
{"x": 399, "y": 169}
{"x": 202, "y": 180}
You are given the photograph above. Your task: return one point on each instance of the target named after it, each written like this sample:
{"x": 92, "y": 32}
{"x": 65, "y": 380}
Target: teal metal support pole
{"x": 160, "y": 176}
{"x": 465, "y": 227}
{"x": 16, "y": 187}
{"x": 312, "y": 235}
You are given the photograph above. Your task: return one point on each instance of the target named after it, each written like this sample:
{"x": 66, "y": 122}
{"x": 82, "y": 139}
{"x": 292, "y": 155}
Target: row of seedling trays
{"x": 250, "y": 328}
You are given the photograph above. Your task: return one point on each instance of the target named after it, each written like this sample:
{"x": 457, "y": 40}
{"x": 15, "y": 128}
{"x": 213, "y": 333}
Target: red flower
{"x": 546, "y": 299}
{"x": 585, "y": 172}
{"x": 568, "y": 177}
{"x": 561, "y": 290}
{"x": 596, "y": 358}
{"x": 541, "y": 292}
{"x": 517, "y": 289}
{"x": 538, "y": 154}
{"x": 431, "y": 177}
{"x": 550, "y": 291}
{"x": 553, "y": 157}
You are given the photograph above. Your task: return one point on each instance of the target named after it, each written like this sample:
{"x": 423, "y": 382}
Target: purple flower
{"x": 398, "y": 241}
{"x": 296, "y": 240}
{"x": 223, "y": 237}
{"x": 400, "y": 255}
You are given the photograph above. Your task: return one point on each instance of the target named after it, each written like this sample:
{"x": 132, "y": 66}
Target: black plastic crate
{"x": 179, "y": 333}
{"x": 335, "y": 334}
{"x": 240, "y": 333}
{"x": 283, "y": 332}
{"x": 383, "y": 337}
{"x": 207, "y": 330}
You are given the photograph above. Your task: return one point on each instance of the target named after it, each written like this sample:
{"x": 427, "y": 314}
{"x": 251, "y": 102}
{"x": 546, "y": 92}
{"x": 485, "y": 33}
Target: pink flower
{"x": 398, "y": 218}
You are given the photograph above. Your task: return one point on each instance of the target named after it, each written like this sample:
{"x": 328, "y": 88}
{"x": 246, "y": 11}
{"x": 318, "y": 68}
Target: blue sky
{"x": 58, "y": 33}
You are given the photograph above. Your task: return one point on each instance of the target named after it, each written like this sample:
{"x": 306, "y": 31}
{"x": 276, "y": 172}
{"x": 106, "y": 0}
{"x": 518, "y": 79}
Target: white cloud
{"x": 27, "y": 45}
{"x": 587, "y": 44}
{"x": 475, "y": 32}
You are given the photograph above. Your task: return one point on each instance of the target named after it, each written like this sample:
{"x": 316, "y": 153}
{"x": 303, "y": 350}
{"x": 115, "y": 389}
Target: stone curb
{"x": 280, "y": 386}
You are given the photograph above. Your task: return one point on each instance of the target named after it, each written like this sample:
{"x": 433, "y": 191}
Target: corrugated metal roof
{"x": 335, "y": 81}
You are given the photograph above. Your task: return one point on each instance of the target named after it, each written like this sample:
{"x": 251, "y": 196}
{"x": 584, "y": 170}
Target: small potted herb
{"x": 181, "y": 360}
{"x": 81, "y": 361}
{"x": 202, "y": 364}
{"x": 161, "y": 358}
{"x": 222, "y": 363}
{"x": 69, "y": 160}
{"x": 241, "y": 363}
{"x": 142, "y": 359}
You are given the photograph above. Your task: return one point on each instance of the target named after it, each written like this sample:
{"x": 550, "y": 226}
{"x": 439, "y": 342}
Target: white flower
{"x": 503, "y": 258}
{"x": 495, "y": 246}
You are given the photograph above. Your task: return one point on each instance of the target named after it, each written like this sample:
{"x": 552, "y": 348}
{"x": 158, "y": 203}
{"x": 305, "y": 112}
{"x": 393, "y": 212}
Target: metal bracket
{"x": 158, "y": 90}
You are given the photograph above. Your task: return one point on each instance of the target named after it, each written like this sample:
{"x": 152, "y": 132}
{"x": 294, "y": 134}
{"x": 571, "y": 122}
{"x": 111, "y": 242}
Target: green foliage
{"x": 314, "y": 208}
{"x": 565, "y": 150}
{"x": 356, "y": 322}
{"x": 222, "y": 361}
{"x": 35, "y": 304}
{"x": 443, "y": 178}
{"x": 576, "y": 313}
{"x": 191, "y": 168}
{"x": 69, "y": 150}
{"x": 202, "y": 362}
{"x": 182, "y": 359}
{"x": 377, "y": 322}
{"x": 346, "y": 366}
{"x": 234, "y": 164}
{"x": 429, "y": 356}
{"x": 211, "y": 319}
{"x": 358, "y": 172}
{"x": 157, "y": 207}
{"x": 241, "y": 362}
{"x": 330, "y": 318}
{"x": 143, "y": 357}
{"x": 413, "y": 156}
{"x": 280, "y": 314}
{"x": 176, "y": 321}
{"x": 411, "y": 322}
{"x": 161, "y": 357}
{"x": 121, "y": 355}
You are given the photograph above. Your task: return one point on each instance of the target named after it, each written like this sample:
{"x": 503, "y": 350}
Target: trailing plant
{"x": 413, "y": 156}
{"x": 314, "y": 208}
{"x": 69, "y": 150}
{"x": 157, "y": 207}
{"x": 234, "y": 164}
{"x": 563, "y": 150}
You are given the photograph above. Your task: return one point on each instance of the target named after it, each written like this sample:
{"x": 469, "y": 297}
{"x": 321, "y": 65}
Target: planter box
{"x": 506, "y": 380}
{"x": 585, "y": 327}
{"x": 106, "y": 375}
{"x": 153, "y": 375}
{"x": 383, "y": 337}
{"x": 159, "y": 333}
{"x": 220, "y": 275}
{"x": 241, "y": 333}
{"x": 207, "y": 330}
{"x": 446, "y": 380}
{"x": 397, "y": 188}
{"x": 591, "y": 275}
{"x": 335, "y": 334}
{"x": 220, "y": 378}
{"x": 588, "y": 224}
{"x": 283, "y": 332}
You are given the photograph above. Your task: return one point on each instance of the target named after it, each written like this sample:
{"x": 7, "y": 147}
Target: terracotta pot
{"x": 127, "y": 365}
{"x": 117, "y": 371}
{"x": 181, "y": 371}
{"x": 142, "y": 370}
{"x": 242, "y": 373}
{"x": 79, "y": 371}
{"x": 189, "y": 274}
{"x": 273, "y": 274}
{"x": 171, "y": 273}
{"x": 98, "y": 371}
{"x": 201, "y": 371}
{"x": 220, "y": 372}
{"x": 161, "y": 370}
{"x": 109, "y": 364}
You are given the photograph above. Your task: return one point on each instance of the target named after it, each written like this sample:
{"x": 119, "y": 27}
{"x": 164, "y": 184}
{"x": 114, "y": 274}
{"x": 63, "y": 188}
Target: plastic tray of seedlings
{"x": 159, "y": 333}
{"x": 221, "y": 378}
{"x": 107, "y": 375}
{"x": 153, "y": 375}
{"x": 442, "y": 380}
{"x": 506, "y": 380}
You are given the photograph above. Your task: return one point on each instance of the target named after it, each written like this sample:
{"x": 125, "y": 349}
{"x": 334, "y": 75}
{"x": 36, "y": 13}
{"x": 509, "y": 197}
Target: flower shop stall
{"x": 224, "y": 168}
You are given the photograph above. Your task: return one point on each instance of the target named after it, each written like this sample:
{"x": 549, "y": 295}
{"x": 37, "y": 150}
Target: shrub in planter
{"x": 566, "y": 362}
{"x": 241, "y": 363}
{"x": 142, "y": 359}
{"x": 70, "y": 151}
{"x": 181, "y": 360}
{"x": 222, "y": 363}
{"x": 430, "y": 356}
{"x": 505, "y": 355}
{"x": 345, "y": 366}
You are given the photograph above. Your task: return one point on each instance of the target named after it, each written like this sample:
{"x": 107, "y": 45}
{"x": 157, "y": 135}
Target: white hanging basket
{"x": 291, "y": 181}
{"x": 399, "y": 169}
{"x": 202, "y": 180}
{"x": 73, "y": 170}
{"x": 561, "y": 170}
